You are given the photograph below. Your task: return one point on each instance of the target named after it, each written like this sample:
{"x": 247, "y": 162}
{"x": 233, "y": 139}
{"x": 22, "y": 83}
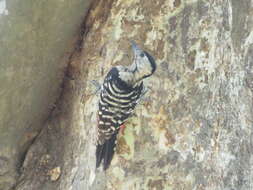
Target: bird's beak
{"x": 135, "y": 48}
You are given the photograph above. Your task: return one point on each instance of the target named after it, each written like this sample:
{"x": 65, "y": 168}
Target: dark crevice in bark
{"x": 97, "y": 10}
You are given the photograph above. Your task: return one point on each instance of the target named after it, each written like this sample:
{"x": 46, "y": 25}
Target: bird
{"x": 121, "y": 91}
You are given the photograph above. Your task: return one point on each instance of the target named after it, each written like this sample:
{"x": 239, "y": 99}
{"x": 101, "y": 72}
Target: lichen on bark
{"x": 196, "y": 130}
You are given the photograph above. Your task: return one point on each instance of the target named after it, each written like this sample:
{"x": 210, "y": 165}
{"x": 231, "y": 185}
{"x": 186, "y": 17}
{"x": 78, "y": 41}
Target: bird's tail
{"x": 105, "y": 152}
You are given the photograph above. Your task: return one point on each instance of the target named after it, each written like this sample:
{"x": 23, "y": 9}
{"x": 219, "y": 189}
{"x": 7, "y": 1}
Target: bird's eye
{"x": 142, "y": 54}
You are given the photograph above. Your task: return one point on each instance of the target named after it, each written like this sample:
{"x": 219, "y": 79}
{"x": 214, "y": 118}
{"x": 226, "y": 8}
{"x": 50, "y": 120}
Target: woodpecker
{"x": 121, "y": 90}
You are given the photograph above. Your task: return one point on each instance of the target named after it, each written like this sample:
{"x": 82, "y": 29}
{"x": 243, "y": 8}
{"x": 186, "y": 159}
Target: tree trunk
{"x": 195, "y": 129}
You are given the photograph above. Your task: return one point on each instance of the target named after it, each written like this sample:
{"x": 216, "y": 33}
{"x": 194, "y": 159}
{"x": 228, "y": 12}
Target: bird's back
{"x": 117, "y": 102}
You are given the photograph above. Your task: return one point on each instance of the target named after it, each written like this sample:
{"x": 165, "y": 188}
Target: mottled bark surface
{"x": 35, "y": 40}
{"x": 195, "y": 132}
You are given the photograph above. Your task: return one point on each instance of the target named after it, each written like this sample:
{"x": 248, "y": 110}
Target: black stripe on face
{"x": 152, "y": 61}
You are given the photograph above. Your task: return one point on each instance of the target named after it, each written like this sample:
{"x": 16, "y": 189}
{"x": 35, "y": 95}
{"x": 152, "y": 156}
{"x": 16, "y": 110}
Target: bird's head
{"x": 142, "y": 67}
{"x": 143, "y": 64}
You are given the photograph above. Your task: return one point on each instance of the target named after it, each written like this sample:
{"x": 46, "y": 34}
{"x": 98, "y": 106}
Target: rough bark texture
{"x": 35, "y": 37}
{"x": 195, "y": 132}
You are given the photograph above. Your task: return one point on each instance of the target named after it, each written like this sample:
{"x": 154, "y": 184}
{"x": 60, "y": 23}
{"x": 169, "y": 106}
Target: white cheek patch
{"x": 144, "y": 67}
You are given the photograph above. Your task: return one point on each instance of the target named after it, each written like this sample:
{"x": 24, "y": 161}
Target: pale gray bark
{"x": 195, "y": 132}
{"x": 35, "y": 37}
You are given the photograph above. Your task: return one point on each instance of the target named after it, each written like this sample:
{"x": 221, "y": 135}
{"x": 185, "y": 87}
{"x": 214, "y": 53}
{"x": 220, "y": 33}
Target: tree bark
{"x": 194, "y": 132}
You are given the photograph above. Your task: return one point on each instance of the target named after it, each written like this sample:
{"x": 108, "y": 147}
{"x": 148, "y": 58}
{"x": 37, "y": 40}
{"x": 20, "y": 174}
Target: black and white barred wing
{"x": 116, "y": 104}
